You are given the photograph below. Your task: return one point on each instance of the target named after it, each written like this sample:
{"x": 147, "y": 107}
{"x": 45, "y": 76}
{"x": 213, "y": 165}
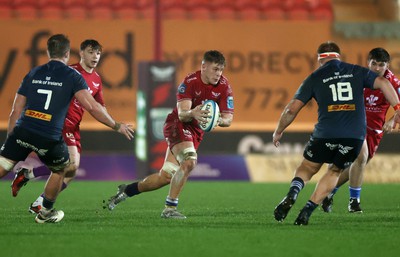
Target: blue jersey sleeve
{"x": 305, "y": 92}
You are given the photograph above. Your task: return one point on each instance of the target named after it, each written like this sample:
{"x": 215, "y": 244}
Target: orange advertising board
{"x": 24, "y": 46}
{"x": 266, "y": 60}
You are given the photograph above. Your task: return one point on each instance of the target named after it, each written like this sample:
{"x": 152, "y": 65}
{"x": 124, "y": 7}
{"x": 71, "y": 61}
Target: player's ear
{"x": 203, "y": 65}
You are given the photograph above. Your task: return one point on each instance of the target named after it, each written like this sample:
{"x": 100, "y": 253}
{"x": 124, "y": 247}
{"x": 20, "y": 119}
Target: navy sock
{"x": 47, "y": 203}
{"x": 132, "y": 189}
{"x": 311, "y": 206}
{"x": 171, "y": 202}
{"x": 296, "y": 186}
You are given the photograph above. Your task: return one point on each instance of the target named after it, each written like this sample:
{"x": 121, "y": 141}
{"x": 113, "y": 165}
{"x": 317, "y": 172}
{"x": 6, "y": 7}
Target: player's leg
{"x": 75, "y": 158}
{"x": 70, "y": 173}
{"x": 327, "y": 203}
{"x": 57, "y": 153}
{"x": 12, "y": 152}
{"x": 186, "y": 155}
{"x": 304, "y": 172}
{"x": 355, "y": 172}
{"x": 26, "y": 170}
{"x": 324, "y": 186}
{"x": 152, "y": 182}
{"x": 6, "y": 165}
{"x": 346, "y": 152}
{"x": 356, "y": 179}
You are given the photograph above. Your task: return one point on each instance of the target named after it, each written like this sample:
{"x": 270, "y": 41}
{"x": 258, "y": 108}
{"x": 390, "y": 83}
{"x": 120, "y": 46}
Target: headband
{"x": 328, "y": 54}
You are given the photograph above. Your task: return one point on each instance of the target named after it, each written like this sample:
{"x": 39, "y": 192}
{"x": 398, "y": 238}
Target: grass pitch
{"x": 225, "y": 219}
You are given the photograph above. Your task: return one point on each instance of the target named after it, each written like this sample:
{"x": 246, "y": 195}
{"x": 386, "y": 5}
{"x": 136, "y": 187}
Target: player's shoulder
{"x": 96, "y": 74}
{"x": 191, "y": 78}
{"x": 74, "y": 71}
{"x": 224, "y": 81}
{"x": 389, "y": 75}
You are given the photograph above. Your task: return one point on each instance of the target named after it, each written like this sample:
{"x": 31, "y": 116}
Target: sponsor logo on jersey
{"x": 215, "y": 94}
{"x": 182, "y": 88}
{"x": 39, "y": 151}
{"x": 188, "y": 80}
{"x": 230, "y": 102}
{"x": 371, "y": 100}
{"x": 198, "y": 93}
{"x": 341, "y": 107}
{"x": 38, "y": 115}
{"x": 331, "y": 146}
{"x": 345, "y": 149}
{"x": 95, "y": 84}
{"x": 70, "y": 136}
{"x": 187, "y": 133}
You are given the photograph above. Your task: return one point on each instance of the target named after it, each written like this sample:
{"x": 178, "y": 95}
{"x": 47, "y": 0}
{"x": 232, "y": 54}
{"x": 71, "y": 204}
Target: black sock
{"x": 132, "y": 189}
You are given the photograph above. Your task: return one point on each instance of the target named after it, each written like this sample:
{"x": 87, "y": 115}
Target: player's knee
{"x": 335, "y": 169}
{"x": 187, "y": 159}
{"x": 59, "y": 168}
{"x": 169, "y": 168}
{"x": 70, "y": 172}
{"x": 6, "y": 164}
{"x": 188, "y": 154}
{"x": 188, "y": 165}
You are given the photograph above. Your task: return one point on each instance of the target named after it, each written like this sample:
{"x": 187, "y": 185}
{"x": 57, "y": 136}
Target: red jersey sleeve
{"x": 225, "y": 103}
{"x": 99, "y": 94}
{"x": 185, "y": 89}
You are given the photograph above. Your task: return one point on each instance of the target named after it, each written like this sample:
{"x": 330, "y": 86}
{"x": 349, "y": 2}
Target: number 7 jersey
{"x": 48, "y": 90}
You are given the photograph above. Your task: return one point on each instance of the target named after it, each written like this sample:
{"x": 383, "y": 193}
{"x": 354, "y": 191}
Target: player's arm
{"x": 186, "y": 114}
{"x": 17, "y": 108}
{"x": 287, "y": 117}
{"x": 390, "y": 95}
{"x": 100, "y": 113}
{"x": 225, "y": 120}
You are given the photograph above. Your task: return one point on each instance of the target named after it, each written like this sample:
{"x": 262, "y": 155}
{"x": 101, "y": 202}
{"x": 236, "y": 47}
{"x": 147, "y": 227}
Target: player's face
{"x": 378, "y": 67}
{"x": 90, "y": 57}
{"x": 211, "y": 72}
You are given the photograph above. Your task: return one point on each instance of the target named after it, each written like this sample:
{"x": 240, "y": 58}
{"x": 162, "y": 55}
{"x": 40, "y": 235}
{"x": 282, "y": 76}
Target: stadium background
{"x": 270, "y": 48}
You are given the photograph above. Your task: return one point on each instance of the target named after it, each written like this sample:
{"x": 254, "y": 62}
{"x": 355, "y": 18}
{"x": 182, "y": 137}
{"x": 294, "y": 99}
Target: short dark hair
{"x": 328, "y": 46}
{"x": 92, "y": 43}
{"x": 379, "y": 54}
{"x": 214, "y": 56}
{"x": 58, "y": 45}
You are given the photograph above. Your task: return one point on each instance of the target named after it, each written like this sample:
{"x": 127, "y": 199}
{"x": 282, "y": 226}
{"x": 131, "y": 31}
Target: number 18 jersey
{"x": 338, "y": 89}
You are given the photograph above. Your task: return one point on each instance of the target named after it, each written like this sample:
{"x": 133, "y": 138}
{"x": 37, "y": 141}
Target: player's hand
{"x": 396, "y": 119}
{"x": 388, "y": 126}
{"x": 200, "y": 115}
{"x": 275, "y": 138}
{"x": 127, "y": 131}
{"x": 220, "y": 121}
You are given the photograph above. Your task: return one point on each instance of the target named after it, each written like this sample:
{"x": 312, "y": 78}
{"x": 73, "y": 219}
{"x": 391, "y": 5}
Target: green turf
{"x": 225, "y": 219}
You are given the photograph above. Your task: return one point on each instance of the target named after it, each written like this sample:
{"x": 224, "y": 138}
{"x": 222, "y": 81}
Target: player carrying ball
{"x": 183, "y": 134}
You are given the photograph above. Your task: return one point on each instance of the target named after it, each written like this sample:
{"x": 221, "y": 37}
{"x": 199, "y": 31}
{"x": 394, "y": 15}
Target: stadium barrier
{"x": 258, "y": 168}
{"x": 383, "y": 168}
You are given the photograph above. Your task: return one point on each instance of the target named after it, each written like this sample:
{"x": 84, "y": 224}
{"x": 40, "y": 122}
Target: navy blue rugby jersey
{"x": 338, "y": 89}
{"x": 48, "y": 90}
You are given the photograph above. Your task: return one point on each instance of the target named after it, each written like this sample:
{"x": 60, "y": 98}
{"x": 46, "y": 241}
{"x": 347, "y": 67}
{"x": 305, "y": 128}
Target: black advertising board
{"x": 156, "y": 97}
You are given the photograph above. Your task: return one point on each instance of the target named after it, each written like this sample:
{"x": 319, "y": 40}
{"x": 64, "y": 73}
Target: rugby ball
{"x": 213, "y": 117}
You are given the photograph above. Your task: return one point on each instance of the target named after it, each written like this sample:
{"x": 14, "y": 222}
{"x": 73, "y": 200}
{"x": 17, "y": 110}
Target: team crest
{"x": 182, "y": 88}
